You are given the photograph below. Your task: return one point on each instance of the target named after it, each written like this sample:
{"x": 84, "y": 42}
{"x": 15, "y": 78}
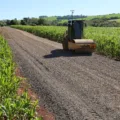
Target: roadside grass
{"x": 12, "y": 105}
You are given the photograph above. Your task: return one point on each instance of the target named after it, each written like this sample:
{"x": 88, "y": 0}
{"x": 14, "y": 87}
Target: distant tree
{"x": 25, "y": 21}
{"x": 22, "y": 22}
{"x": 41, "y": 21}
{"x": 7, "y": 22}
{"x": 102, "y": 23}
{"x": 69, "y": 17}
{"x": 14, "y": 22}
{"x": 114, "y": 17}
{"x": 2, "y": 23}
{"x": 33, "y": 21}
{"x": 43, "y": 16}
{"x": 29, "y": 21}
{"x": 54, "y": 22}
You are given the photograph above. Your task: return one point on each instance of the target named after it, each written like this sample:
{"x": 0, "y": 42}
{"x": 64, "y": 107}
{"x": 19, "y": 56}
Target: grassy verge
{"x": 107, "y": 39}
{"x": 12, "y": 105}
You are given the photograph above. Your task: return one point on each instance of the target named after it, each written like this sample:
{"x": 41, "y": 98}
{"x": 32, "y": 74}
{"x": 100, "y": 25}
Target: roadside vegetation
{"x": 12, "y": 105}
{"x": 107, "y": 39}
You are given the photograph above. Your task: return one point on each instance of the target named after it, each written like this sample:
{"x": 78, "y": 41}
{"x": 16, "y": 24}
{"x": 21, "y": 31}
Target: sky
{"x": 10, "y": 9}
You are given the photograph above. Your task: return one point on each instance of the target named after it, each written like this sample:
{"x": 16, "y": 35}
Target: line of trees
{"x": 24, "y": 21}
{"x": 96, "y": 22}
{"x": 38, "y": 21}
{"x": 103, "y": 22}
{"x": 69, "y": 17}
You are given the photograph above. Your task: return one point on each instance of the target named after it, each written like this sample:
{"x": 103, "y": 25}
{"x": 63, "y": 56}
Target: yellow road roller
{"x": 73, "y": 38}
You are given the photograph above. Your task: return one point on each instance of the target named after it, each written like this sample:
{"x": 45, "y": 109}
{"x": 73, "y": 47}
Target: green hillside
{"x": 62, "y": 20}
{"x": 117, "y": 20}
{"x": 108, "y": 16}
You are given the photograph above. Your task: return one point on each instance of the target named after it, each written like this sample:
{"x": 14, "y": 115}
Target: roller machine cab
{"x": 73, "y": 38}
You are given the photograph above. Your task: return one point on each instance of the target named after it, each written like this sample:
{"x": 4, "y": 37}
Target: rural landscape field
{"x": 45, "y": 72}
{"x": 107, "y": 39}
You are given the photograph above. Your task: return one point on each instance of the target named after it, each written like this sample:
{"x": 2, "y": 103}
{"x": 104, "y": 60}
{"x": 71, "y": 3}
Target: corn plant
{"x": 12, "y": 106}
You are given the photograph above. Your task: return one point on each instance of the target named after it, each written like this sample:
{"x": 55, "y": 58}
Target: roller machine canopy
{"x": 75, "y": 29}
{"x": 73, "y": 39}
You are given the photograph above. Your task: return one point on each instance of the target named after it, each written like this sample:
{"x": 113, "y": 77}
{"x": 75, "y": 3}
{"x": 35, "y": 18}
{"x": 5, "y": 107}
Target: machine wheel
{"x": 65, "y": 45}
{"x": 89, "y": 53}
{"x": 65, "y": 42}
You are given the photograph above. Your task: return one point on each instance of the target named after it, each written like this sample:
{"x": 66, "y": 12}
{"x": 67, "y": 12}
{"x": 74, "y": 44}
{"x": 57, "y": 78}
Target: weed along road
{"x": 71, "y": 86}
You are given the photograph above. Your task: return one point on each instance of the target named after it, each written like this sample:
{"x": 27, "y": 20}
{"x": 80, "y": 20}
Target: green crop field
{"x": 12, "y": 106}
{"x": 107, "y": 39}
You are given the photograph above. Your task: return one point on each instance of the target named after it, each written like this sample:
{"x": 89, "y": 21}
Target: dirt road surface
{"x": 71, "y": 86}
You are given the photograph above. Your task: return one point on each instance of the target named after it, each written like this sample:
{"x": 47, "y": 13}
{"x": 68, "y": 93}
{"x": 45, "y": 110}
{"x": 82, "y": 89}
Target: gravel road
{"x": 71, "y": 86}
